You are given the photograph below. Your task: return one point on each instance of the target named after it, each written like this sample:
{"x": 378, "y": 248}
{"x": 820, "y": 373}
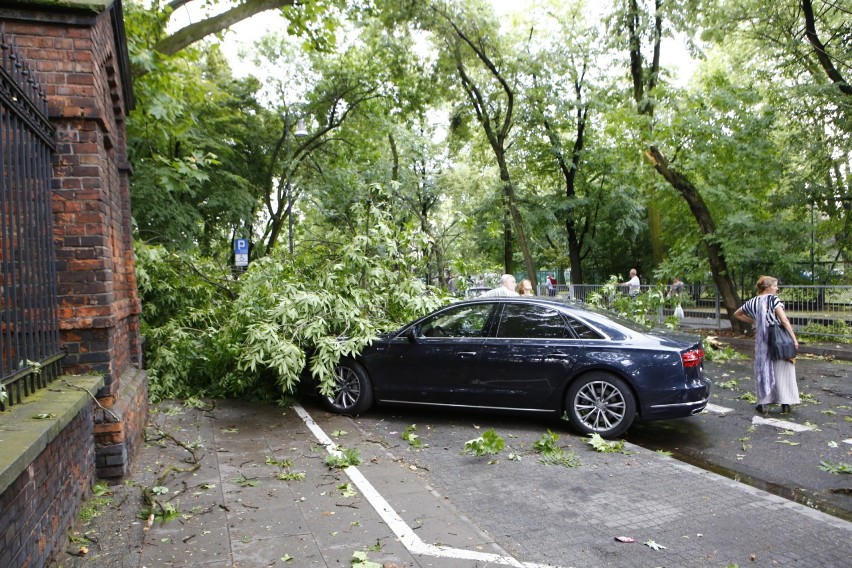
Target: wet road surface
{"x": 779, "y": 453}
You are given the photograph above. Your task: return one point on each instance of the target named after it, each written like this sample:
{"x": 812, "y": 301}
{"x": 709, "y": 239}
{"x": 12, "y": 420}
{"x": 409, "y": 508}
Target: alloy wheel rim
{"x": 348, "y": 389}
{"x": 600, "y": 406}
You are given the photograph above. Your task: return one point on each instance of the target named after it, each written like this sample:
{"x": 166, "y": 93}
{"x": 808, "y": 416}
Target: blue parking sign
{"x": 241, "y": 252}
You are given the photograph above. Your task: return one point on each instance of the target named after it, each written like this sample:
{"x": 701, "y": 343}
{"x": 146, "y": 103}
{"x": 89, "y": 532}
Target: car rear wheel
{"x": 353, "y": 393}
{"x": 600, "y": 403}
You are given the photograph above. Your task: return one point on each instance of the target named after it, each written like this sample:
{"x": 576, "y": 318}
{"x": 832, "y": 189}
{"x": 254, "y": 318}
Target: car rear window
{"x": 582, "y": 330}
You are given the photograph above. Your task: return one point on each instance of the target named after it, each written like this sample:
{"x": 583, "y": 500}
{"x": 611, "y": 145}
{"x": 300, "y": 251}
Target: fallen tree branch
{"x": 96, "y": 401}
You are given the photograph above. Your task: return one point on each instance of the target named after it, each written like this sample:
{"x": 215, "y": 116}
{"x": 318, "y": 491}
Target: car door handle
{"x": 467, "y": 354}
{"x": 559, "y": 357}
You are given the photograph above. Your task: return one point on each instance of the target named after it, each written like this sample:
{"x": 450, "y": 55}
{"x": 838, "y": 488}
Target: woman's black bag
{"x": 781, "y": 345}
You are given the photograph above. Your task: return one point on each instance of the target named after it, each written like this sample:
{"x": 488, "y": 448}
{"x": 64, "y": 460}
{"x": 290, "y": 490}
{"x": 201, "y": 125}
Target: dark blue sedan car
{"x": 531, "y": 355}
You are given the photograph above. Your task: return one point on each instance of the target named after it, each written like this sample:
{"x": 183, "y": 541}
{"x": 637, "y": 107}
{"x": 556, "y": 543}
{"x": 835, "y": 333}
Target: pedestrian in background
{"x": 674, "y": 293}
{"x": 551, "y": 285}
{"x": 633, "y": 285}
{"x": 506, "y": 288}
{"x": 525, "y": 288}
{"x": 675, "y": 288}
{"x": 775, "y": 380}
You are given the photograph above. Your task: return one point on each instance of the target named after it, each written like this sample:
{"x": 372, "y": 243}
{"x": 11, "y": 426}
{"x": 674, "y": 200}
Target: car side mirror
{"x": 411, "y": 334}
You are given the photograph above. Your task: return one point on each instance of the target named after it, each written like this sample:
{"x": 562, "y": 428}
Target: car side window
{"x": 582, "y": 330}
{"x": 529, "y": 321}
{"x": 462, "y": 321}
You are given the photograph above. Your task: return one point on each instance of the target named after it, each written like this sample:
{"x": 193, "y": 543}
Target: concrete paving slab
{"x": 294, "y": 550}
{"x": 268, "y": 522}
{"x": 523, "y": 514}
{"x": 188, "y": 542}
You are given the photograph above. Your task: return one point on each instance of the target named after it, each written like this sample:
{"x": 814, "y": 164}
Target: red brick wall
{"x": 41, "y": 504}
{"x": 75, "y": 60}
{"x": 78, "y": 63}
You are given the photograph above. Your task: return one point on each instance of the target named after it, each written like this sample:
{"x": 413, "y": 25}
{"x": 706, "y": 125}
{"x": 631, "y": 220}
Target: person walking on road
{"x": 775, "y": 380}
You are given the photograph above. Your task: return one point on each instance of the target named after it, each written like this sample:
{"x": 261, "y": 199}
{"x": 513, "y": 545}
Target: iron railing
{"x": 818, "y": 312}
{"x": 29, "y": 318}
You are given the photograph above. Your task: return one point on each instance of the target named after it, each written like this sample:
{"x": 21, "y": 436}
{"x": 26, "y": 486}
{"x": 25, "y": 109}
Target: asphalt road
{"x": 778, "y": 453}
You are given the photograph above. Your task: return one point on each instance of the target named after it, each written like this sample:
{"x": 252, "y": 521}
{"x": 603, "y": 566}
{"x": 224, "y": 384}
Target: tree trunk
{"x": 644, "y": 82}
{"x": 569, "y": 174}
{"x": 819, "y": 50}
{"x": 715, "y": 254}
{"x": 517, "y": 223}
{"x": 496, "y": 129}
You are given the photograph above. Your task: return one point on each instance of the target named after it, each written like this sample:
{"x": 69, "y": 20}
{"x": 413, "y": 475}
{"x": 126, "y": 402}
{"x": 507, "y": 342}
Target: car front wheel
{"x": 600, "y": 403}
{"x": 352, "y": 392}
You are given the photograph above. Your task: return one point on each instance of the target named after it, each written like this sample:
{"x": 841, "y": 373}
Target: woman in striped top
{"x": 775, "y": 380}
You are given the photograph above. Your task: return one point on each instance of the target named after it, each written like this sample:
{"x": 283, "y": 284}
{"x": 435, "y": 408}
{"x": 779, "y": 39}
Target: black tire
{"x": 600, "y": 403}
{"x": 353, "y": 393}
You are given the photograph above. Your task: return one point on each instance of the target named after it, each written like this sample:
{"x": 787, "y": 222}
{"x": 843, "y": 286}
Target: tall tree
{"x": 491, "y": 93}
{"x": 640, "y": 20}
{"x": 561, "y": 54}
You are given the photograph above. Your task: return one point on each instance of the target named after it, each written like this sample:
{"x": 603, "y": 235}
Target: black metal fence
{"x": 29, "y": 319}
{"x": 817, "y": 313}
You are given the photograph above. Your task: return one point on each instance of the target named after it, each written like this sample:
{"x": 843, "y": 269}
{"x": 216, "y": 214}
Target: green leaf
{"x": 606, "y": 446}
{"x": 244, "y": 481}
{"x": 835, "y": 468}
{"x": 489, "y": 443}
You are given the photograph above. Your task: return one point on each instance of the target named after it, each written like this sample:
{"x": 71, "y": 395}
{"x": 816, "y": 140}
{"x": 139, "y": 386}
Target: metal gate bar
{"x": 29, "y": 315}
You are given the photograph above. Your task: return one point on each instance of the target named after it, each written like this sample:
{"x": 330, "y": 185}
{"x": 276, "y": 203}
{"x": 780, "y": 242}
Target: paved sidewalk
{"x": 235, "y": 510}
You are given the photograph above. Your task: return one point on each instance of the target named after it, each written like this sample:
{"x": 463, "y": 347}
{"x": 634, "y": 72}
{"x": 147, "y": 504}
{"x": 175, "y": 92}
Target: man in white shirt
{"x": 633, "y": 284}
{"x": 507, "y": 288}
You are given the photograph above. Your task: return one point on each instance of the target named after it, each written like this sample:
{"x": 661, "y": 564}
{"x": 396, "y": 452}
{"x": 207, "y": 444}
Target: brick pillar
{"x": 79, "y": 55}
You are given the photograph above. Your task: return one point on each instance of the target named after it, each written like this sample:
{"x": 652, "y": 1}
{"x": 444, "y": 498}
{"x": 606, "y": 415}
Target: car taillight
{"x": 692, "y": 358}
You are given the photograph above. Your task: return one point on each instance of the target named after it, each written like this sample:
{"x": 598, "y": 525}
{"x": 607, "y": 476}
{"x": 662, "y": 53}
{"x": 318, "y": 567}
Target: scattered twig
{"x": 96, "y": 401}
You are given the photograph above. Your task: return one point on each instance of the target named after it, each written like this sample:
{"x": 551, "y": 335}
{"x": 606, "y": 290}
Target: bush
{"x": 642, "y": 308}
{"x": 837, "y": 332}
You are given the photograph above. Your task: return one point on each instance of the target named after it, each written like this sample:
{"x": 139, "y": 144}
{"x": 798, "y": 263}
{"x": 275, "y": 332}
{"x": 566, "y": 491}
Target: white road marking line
{"x": 718, "y": 409}
{"x": 848, "y": 441}
{"x": 787, "y": 425}
{"x": 405, "y": 533}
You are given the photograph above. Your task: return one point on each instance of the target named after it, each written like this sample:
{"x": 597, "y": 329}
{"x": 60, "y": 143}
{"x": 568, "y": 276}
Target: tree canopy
{"x": 558, "y": 138}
